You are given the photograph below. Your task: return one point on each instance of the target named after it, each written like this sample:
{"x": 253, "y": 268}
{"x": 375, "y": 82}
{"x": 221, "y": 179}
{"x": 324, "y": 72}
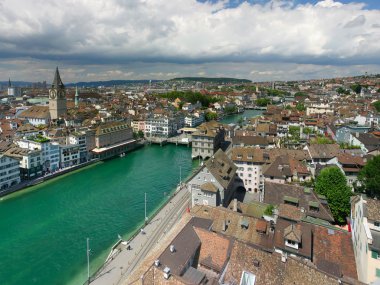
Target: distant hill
{"x": 16, "y": 83}
{"x": 109, "y": 83}
{"x": 212, "y": 79}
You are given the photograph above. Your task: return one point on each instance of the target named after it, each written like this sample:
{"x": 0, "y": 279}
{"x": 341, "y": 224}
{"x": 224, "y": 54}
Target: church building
{"x": 57, "y": 98}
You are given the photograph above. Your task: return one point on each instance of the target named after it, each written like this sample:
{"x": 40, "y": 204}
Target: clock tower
{"x": 57, "y": 98}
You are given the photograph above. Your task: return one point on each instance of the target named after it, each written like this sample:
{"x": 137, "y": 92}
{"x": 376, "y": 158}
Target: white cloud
{"x": 146, "y": 38}
{"x": 186, "y": 30}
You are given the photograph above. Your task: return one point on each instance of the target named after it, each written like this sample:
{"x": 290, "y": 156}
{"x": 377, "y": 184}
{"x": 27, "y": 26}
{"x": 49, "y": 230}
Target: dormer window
{"x": 291, "y": 243}
{"x": 250, "y": 156}
{"x": 313, "y": 206}
{"x": 377, "y": 224}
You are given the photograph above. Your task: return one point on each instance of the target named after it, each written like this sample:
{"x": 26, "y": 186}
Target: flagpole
{"x": 88, "y": 260}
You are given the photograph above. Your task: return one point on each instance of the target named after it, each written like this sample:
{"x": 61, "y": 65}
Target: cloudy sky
{"x": 261, "y": 40}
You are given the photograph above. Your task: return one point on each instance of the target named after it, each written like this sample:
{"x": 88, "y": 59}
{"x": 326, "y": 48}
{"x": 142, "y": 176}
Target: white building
{"x": 9, "y": 171}
{"x": 318, "y": 108}
{"x": 365, "y": 225}
{"x": 49, "y": 151}
{"x": 80, "y": 139}
{"x": 194, "y": 120}
{"x": 163, "y": 126}
{"x": 250, "y": 163}
{"x": 69, "y": 155}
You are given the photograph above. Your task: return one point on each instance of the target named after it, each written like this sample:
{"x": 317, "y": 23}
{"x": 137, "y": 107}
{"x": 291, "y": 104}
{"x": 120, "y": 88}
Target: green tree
{"x": 140, "y": 134}
{"x": 269, "y": 210}
{"x": 211, "y": 116}
{"x": 262, "y": 102}
{"x": 356, "y": 88}
{"x": 230, "y": 109}
{"x": 240, "y": 122}
{"x": 300, "y": 94}
{"x": 369, "y": 177}
{"x": 377, "y": 106}
{"x": 300, "y": 107}
{"x": 332, "y": 183}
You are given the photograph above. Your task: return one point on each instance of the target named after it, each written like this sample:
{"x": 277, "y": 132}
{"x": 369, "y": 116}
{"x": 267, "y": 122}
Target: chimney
{"x": 235, "y": 205}
{"x": 172, "y": 248}
{"x": 157, "y": 263}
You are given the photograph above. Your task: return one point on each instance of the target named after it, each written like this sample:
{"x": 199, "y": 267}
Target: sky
{"x": 260, "y": 40}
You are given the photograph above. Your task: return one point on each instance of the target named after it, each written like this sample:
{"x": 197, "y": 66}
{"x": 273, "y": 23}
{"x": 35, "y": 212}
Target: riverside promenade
{"x": 124, "y": 261}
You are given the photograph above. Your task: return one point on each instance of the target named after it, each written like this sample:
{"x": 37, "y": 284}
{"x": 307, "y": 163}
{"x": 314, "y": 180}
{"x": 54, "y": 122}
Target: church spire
{"x": 76, "y": 97}
{"x": 9, "y": 83}
{"x": 57, "y": 82}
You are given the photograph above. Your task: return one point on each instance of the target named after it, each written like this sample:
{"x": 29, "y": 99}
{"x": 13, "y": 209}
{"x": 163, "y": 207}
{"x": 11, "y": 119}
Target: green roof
{"x": 291, "y": 199}
{"x": 314, "y": 204}
{"x": 320, "y": 196}
{"x": 256, "y": 209}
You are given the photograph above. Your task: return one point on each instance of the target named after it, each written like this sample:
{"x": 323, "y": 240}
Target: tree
{"x": 300, "y": 107}
{"x": 240, "y": 122}
{"x": 300, "y": 94}
{"x": 210, "y": 116}
{"x": 356, "y": 88}
{"x": 140, "y": 134}
{"x": 377, "y": 106}
{"x": 369, "y": 177}
{"x": 332, "y": 183}
{"x": 262, "y": 102}
{"x": 269, "y": 210}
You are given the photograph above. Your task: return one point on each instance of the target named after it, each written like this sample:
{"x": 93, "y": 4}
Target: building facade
{"x": 365, "y": 225}
{"x": 207, "y": 140}
{"x": 9, "y": 171}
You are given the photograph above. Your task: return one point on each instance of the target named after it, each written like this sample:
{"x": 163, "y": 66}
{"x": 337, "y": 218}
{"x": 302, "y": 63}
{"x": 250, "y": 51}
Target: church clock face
{"x": 53, "y": 94}
{"x": 61, "y": 94}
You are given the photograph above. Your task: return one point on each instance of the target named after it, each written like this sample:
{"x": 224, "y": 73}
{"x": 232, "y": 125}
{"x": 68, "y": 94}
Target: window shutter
{"x": 374, "y": 254}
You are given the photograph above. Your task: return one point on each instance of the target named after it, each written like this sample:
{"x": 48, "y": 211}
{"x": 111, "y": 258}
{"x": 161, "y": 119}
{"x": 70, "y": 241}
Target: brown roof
{"x": 270, "y": 270}
{"x": 214, "y": 249}
{"x": 373, "y": 209}
{"x": 111, "y": 127}
{"x": 229, "y": 223}
{"x": 37, "y": 112}
{"x": 333, "y": 252}
{"x": 290, "y": 212}
{"x": 324, "y": 150}
{"x": 209, "y": 129}
{"x": 293, "y": 233}
{"x": 186, "y": 244}
{"x": 246, "y": 154}
{"x": 210, "y": 187}
{"x": 222, "y": 168}
{"x": 301, "y": 232}
{"x": 251, "y": 140}
{"x": 276, "y": 194}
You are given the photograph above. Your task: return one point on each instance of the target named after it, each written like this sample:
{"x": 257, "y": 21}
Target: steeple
{"x": 76, "y": 97}
{"x": 57, "y": 82}
{"x": 9, "y": 83}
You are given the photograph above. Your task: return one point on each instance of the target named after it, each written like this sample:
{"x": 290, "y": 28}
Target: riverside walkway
{"x": 117, "y": 269}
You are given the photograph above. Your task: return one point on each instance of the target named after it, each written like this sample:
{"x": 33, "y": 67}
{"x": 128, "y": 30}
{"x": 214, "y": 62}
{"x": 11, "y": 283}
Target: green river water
{"x": 44, "y": 228}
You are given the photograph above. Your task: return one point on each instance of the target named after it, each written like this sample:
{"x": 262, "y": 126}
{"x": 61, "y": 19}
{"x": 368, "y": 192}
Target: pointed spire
{"x": 76, "y": 97}
{"x": 57, "y": 82}
{"x": 9, "y": 83}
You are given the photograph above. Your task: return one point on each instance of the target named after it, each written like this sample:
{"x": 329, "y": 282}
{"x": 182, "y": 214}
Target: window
{"x": 377, "y": 272}
{"x": 375, "y": 255}
{"x": 377, "y": 224}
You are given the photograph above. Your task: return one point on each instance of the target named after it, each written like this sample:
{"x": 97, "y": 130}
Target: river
{"x": 44, "y": 228}
{"x": 235, "y": 118}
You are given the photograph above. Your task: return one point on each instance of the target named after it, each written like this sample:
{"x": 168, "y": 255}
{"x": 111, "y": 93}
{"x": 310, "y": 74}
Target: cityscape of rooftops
{"x": 187, "y": 142}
